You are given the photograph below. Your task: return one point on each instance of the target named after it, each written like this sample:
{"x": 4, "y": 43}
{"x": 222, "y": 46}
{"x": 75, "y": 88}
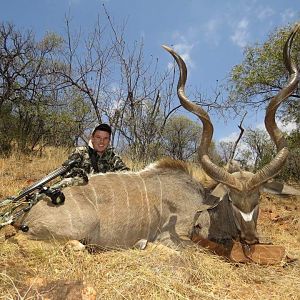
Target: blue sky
{"x": 210, "y": 35}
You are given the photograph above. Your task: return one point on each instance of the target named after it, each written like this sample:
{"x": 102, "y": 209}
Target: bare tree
{"x": 181, "y": 137}
{"x": 120, "y": 85}
{"x": 260, "y": 145}
{"x": 90, "y": 64}
{"x": 26, "y": 85}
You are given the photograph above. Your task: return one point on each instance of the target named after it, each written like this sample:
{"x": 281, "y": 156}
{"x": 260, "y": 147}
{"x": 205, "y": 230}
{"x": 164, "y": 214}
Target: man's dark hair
{"x": 102, "y": 127}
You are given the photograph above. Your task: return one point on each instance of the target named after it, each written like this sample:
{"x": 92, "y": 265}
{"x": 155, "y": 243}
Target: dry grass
{"x": 19, "y": 171}
{"x": 156, "y": 273}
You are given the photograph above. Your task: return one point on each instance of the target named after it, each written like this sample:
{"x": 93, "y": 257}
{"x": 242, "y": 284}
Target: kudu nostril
{"x": 249, "y": 239}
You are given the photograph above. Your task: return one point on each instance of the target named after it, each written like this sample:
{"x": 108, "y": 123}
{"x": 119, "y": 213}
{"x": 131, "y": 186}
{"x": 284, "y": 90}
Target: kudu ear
{"x": 278, "y": 188}
{"x": 219, "y": 192}
{"x": 213, "y": 197}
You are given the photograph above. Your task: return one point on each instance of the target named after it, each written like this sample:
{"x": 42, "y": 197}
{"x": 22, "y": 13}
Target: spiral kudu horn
{"x": 272, "y": 168}
{"x": 216, "y": 172}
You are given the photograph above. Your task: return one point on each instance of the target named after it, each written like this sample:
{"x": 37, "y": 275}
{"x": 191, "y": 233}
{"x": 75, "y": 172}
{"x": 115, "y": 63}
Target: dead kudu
{"x": 164, "y": 203}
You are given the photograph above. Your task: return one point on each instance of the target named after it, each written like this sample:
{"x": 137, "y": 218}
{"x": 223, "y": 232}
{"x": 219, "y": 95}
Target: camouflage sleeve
{"x": 85, "y": 162}
{"x": 118, "y": 164}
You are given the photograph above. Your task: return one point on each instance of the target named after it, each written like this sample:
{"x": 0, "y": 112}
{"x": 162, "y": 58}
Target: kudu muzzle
{"x": 246, "y": 224}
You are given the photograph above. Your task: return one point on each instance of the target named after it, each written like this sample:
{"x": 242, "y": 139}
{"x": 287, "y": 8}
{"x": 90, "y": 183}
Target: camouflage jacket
{"x": 92, "y": 162}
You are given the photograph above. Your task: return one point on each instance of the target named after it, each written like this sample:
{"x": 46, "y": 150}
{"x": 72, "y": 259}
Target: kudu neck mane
{"x": 193, "y": 169}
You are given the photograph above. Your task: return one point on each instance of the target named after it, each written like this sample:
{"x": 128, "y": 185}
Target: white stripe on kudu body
{"x": 127, "y": 204}
{"x": 139, "y": 198}
{"x": 147, "y": 204}
{"x": 161, "y": 198}
{"x": 95, "y": 196}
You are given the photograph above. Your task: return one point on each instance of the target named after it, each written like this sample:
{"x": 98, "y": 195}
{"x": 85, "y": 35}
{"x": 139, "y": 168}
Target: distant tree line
{"x": 53, "y": 91}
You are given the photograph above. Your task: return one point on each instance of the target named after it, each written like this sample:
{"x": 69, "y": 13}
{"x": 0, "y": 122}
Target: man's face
{"x": 100, "y": 140}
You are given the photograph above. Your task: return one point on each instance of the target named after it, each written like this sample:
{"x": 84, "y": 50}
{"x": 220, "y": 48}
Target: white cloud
{"x": 285, "y": 127}
{"x": 260, "y": 126}
{"x": 241, "y": 34}
{"x": 212, "y": 25}
{"x": 230, "y": 138}
{"x": 183, "y": 48}
{"x": 211, "y": 31}
{"x": 264, "y": 13}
